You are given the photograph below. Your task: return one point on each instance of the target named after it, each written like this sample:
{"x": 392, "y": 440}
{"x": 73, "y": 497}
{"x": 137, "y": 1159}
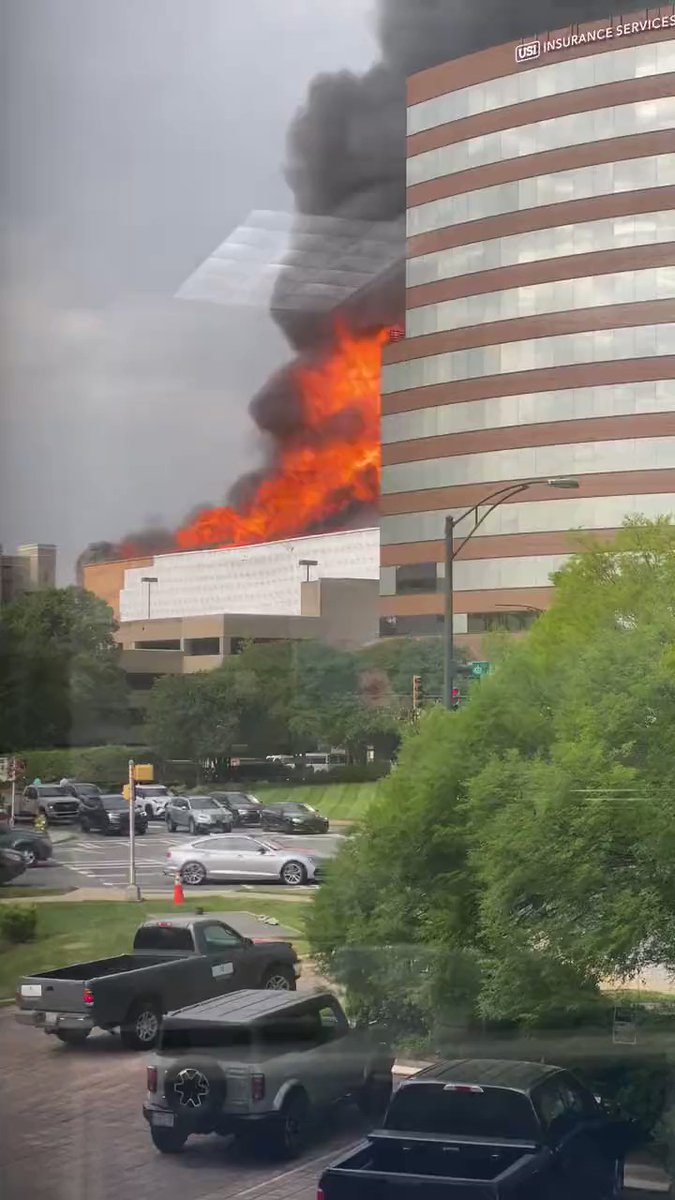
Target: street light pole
{"x": 451, "y": 550}
{"x": 448, "y": 626}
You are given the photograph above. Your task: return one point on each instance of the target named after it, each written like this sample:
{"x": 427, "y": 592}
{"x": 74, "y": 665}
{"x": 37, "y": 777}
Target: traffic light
{"x": 455, "y": 698}
{"x": 416, "y": 692}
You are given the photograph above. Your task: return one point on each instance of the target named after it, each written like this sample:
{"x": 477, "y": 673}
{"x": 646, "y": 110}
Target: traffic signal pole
{"x": 448, "y": 634}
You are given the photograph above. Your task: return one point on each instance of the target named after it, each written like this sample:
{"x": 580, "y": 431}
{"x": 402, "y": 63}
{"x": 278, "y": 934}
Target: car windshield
{"x": 153, "y": 791}
{"x": 114, "y": 803}
{"x": 54, "y": 791}
{"x": 200, "y": 802}
{"x": 244, "y": 801}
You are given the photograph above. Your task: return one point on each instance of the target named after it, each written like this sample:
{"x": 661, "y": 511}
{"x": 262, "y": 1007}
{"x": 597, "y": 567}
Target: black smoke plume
{"x": 346, "y": 160}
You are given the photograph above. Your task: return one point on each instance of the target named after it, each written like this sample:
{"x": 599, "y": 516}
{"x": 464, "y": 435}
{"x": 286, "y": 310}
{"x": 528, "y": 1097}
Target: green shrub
{"x": 18, "y": 922}
{"x": 105, "y": 765}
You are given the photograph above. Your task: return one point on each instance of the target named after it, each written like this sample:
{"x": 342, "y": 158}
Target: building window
{"x": 514, "y": 622}
{"x": 421, "y": 626}
{"x": 167, "y": 644}
{"x": 417, "y": 577}
{"x": 203, "y": 645}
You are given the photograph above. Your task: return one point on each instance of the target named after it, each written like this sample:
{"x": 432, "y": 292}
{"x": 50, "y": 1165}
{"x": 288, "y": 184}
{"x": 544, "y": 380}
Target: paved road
{"x": 90, "y": 860}
{"x": 72, "y": 1129}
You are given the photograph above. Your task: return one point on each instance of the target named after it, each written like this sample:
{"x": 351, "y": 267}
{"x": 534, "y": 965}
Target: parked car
{"x": 245, "y": 808}
{"x": 52, "y": 801}
{"x": 483, "y": 1127}
{"x": 197, "y": 814}
{"x": 152, "y": 799}
{"x": 35, "y": 847}
{"x": 12, "y": 864}
{"x": 241, "y": 857}
{"x": 175, "y": 961}
{"x": 293, "y": 817}
{"x": 109, "y": 814}
{"x": 80, "y": 790}
{"x": 260, "y": 1066}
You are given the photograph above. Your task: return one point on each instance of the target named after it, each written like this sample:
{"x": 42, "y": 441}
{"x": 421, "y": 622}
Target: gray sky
{"x": 134, "y": 136}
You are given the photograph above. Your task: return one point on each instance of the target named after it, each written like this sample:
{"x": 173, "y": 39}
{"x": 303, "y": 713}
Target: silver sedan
{"x": 238, "y": 857}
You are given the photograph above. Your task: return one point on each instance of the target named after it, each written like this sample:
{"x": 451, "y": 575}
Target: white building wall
{"x": 247, "y": 579}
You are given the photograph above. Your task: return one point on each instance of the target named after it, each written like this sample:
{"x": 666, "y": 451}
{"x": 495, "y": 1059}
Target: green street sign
{"x": 480, "y": 668}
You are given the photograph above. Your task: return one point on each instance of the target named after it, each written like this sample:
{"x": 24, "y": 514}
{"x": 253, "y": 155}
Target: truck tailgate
{"x": 44, "y": 994}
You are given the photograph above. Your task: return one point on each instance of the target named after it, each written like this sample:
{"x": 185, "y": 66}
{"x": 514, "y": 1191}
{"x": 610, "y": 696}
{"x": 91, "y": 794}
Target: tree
{"x": 197, "y": 717}
{"x": 62, "y": 682}
{"x": 525, "y": 843}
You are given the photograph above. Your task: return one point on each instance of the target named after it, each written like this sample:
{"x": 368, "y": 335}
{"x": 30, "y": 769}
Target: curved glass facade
{"x": 533, "y": 408}
{"x": 535, "y": 299}
{"x": 578, "y": 183}
{"x": 538, "y": 245}
{"x": 630, "y": 62}
{"x": 574, "y": 129}
{"x": 531, "y": 462}
{"x": 530, "y": 516}
{"x": 616, "y": 439}
{"x": 535, "y": 354}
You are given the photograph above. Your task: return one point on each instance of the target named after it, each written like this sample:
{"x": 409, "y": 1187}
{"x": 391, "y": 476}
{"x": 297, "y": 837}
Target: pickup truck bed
{"x": 175, "y": 962}
{"x": 392, "y": 1164}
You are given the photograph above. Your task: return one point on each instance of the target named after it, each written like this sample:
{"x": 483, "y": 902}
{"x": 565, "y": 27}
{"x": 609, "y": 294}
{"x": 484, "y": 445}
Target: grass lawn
{"x": 77, "y": 931}
{"x": 338, "y": 801}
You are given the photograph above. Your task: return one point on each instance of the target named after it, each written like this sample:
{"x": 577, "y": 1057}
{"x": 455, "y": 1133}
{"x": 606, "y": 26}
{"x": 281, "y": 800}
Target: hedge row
{"x": 105, "y": 765}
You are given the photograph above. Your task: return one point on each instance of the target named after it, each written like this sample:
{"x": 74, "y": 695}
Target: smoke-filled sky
{"x": 135, "y": 135}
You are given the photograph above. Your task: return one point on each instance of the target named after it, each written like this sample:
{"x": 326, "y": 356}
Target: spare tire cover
{"x": 194, "y": 1089}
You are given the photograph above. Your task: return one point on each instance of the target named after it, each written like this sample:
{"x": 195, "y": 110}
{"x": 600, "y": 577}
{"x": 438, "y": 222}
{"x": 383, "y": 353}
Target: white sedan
{"x": 239, "y": 857}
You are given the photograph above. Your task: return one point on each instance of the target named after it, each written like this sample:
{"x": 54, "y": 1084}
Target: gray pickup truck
{"x": 258, "y": 1065}
{"x": 486, "y": 1129}
{"x": 175, "y": 961}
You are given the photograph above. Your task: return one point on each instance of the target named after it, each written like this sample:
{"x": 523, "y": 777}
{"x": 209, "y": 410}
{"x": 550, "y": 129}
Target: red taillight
{"x": 320, "y": 1194}
{"x": 151, "y": 1073}
{"x": 88, "y": 996}
{"x": 257, "y": 1087}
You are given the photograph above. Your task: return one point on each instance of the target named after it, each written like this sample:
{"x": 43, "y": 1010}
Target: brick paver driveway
{"x": 72, "y": 1129}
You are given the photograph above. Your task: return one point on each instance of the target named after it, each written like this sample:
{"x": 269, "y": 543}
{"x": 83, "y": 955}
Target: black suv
{"x": 109, "y": 814}
{"x": 245, "y": 808}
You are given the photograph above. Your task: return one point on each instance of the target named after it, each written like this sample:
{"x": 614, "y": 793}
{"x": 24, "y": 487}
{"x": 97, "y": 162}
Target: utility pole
{"x": 133, "y": 890}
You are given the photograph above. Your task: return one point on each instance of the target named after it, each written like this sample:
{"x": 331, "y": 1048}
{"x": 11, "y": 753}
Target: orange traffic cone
{"x": 178, "y": 893}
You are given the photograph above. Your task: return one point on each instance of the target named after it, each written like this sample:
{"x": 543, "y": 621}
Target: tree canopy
{"x": 60, "y": 679}
{"x": 524, "y": 845}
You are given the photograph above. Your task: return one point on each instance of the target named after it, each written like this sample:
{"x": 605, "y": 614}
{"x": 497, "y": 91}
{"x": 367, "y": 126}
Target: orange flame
{"x": 332, "y": 463}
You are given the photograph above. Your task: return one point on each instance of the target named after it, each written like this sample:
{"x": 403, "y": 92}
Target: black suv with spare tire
{"x": 261, "y": 1065}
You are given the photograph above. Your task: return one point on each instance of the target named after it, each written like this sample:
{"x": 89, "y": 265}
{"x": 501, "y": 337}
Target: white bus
{"x": 325, "y": 760}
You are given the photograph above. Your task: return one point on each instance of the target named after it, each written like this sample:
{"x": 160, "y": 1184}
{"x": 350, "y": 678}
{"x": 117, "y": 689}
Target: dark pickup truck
{"x": 175, "y": 961}
{"x": 483, "y": 1129}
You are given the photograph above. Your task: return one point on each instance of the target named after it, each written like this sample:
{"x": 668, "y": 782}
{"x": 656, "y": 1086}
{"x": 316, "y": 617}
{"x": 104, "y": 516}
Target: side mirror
{"x": 262, "y": 850}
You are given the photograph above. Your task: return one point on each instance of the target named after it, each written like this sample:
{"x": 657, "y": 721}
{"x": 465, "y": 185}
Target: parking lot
{"x": 93, "y": 860}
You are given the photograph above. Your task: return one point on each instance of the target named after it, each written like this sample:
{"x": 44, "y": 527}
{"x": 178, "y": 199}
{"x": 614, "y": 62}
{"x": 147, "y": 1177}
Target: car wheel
{"x": 28, "y": 851}
{"x": 289, "y": 1132}
{"x": 148, "y": 812}
{"x": 193, "y": 873}
{"x": 84, "y": 825}
{"x": 279, "y": 979}
{"x": 142, "y": 831}
{"x": 72, "y": 1037}
{"x": 373, "y": 1098}
{"x": 293, "y": 873}
{"x": 168, "y": 1141}
{"x": 191, "y": 827}
{"x": 140, "y": 1028}
{"x": 170, "y": 825}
